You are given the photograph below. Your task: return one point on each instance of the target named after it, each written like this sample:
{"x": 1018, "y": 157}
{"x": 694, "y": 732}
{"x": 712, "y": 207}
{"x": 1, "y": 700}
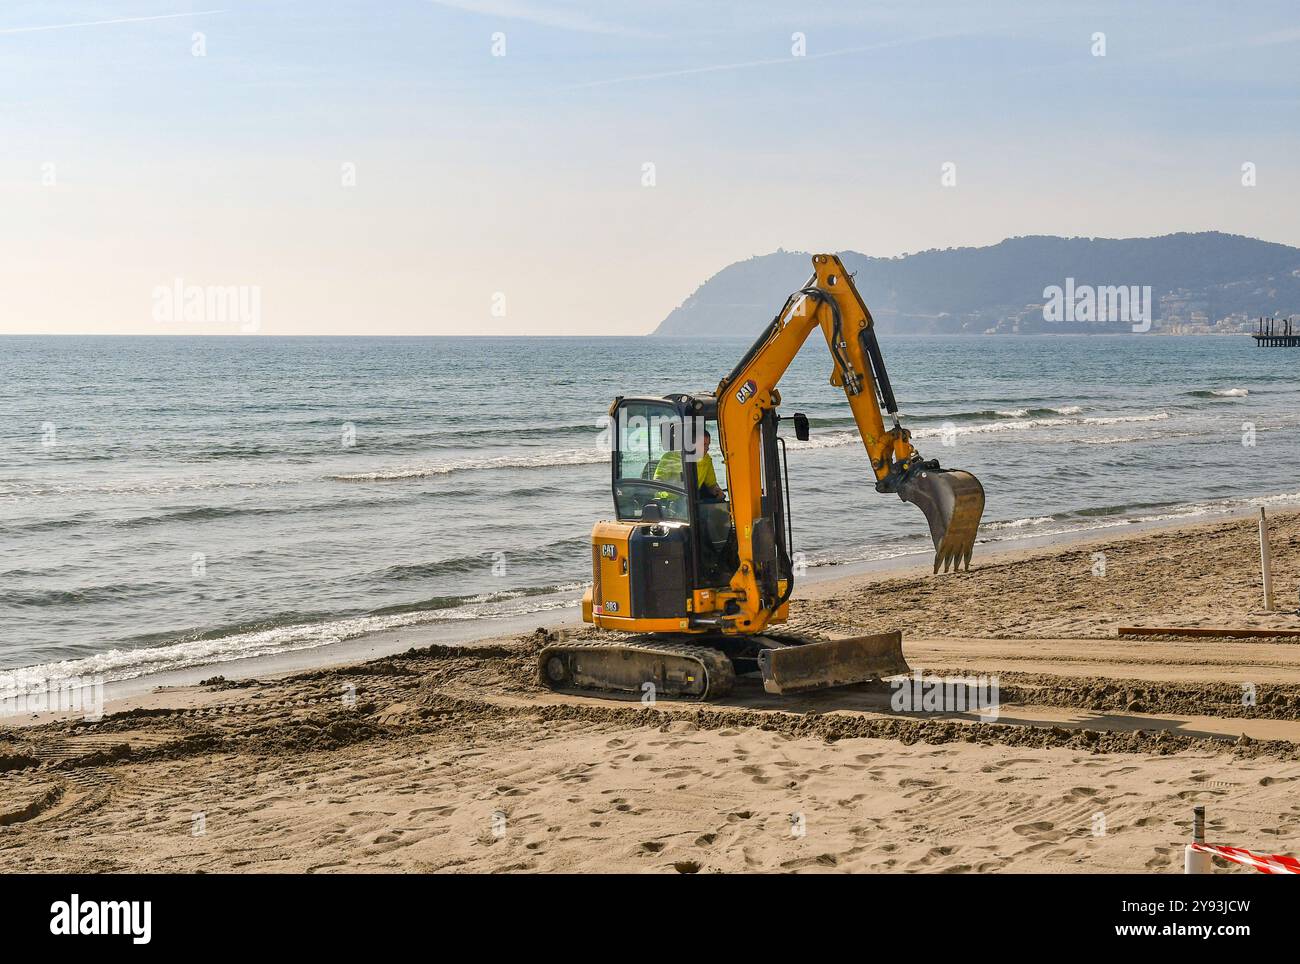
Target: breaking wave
{"x": 834, "y": 440}
{"x": 535, "y": 460}
{"x": 129, "y": 663}
{"x": 1066, "y": 524}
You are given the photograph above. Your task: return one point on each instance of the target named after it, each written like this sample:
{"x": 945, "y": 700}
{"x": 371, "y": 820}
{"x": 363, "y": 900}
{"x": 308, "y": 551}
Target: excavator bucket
{"x": 835, "y": 662}
{"x": 953, "y": 502}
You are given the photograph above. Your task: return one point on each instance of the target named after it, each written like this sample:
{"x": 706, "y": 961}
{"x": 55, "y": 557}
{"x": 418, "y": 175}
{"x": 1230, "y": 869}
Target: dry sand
{"x": 455, "y": 759}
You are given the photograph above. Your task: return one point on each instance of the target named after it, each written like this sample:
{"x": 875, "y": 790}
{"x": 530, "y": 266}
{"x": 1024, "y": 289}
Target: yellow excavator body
{"x": 697, "y": 577}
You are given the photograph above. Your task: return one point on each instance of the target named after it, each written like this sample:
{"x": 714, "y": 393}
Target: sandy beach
{"x": 453, "y": 758}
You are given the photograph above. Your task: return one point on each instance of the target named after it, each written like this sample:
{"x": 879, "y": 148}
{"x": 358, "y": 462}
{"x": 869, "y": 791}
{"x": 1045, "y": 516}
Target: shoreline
{"x": 818, "y": 583}
{"x": 457, "y": 757}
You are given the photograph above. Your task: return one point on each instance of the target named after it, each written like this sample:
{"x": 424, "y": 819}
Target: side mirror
{"x": 801, "y": 426}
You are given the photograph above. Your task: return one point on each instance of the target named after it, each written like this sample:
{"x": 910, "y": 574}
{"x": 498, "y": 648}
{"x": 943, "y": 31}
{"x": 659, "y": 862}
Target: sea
{"x": 174, "y": 502}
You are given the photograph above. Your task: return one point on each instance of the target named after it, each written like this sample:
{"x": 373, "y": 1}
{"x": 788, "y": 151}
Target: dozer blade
{"x": 953, "y": 502}
{"x": 837, "y": 662}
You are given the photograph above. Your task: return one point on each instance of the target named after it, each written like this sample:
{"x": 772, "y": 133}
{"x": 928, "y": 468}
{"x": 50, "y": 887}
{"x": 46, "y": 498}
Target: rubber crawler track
{"x": 719, "y": 676}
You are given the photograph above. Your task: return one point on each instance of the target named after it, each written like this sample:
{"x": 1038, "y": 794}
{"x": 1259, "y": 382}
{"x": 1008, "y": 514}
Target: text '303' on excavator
{"x": 701, "y": 577}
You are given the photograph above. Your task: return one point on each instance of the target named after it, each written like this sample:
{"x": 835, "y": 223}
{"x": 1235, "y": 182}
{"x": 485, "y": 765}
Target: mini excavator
{"x": 697, "y": 578}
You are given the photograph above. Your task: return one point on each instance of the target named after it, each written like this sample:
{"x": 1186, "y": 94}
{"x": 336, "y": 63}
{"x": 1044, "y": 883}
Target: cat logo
{"x": 747, "y": 391}
{"x": 608, "y": 550}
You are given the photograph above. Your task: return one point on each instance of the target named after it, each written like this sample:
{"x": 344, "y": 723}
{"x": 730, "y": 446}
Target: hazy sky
{"x": 488, "y": 184}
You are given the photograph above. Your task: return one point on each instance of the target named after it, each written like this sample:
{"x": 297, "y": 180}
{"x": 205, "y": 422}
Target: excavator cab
{"x": 669, "y": 549}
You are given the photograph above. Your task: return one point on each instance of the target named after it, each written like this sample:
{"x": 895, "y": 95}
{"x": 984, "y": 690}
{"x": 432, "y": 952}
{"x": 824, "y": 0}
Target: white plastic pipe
{"x": 1265, "y": 561}
{"x": 1197, "y": 861}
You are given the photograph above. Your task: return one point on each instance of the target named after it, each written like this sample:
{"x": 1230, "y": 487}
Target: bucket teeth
{"x": 954, "y": 552}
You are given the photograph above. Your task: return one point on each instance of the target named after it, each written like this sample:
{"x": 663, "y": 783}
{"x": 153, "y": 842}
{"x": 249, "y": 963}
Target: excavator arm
{"x": 951, "y": 500}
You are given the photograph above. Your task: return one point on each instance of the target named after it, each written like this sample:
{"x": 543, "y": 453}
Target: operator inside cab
{"x": 669, "y": 469}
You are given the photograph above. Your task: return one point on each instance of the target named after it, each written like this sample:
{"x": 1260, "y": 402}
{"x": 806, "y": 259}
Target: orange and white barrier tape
{"x": 1264, "y": 863}
{"x": 1198, "y": 854}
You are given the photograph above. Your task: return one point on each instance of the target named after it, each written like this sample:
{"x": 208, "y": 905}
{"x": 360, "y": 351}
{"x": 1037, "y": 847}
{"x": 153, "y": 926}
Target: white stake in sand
{"x": 1197, "y": 861}
{"x": 1265, "y": 561}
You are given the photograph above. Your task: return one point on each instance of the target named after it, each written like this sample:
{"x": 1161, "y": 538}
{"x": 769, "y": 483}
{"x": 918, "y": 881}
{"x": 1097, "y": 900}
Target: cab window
{"x": 648, "y": 475}
{"x": 715, "y": 453}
